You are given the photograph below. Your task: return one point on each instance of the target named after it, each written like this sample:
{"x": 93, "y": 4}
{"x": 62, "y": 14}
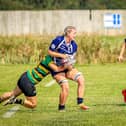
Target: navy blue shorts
{"x": 55, "y": 73}
{"x": 26, "y": 86}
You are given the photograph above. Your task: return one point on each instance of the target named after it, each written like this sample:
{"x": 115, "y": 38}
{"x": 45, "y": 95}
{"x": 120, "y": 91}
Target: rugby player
{"x": 61, "y": 45}
{"x": 121, "y": 58}
{"x": 27, "y": 81}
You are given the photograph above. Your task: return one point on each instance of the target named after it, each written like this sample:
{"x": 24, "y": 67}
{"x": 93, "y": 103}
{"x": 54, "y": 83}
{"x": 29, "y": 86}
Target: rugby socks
{"x": 61, "y": 107}
{"x": 81, "y": 104}
{"x": 19, "y": 101}
{"x": 1, "y": 100}
{"x": 124, "y": 94}
{"x": 79, "y": 100}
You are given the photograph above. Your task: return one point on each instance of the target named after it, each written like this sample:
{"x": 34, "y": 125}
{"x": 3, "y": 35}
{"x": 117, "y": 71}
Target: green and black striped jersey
{"x": 38, "y": 73}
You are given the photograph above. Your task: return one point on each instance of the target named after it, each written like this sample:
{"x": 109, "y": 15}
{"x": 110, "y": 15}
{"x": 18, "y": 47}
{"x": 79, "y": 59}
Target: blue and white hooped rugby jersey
{"x": 59, "y": 45}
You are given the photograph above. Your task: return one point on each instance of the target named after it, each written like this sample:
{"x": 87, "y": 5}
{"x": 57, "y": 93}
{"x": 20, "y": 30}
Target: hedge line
{"x": 30, "y": 49}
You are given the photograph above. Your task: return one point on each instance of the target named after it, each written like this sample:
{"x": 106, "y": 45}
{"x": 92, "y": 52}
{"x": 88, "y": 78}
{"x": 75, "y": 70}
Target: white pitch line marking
{"x": 10, "y": 112}
{"x": 50, "y": 83}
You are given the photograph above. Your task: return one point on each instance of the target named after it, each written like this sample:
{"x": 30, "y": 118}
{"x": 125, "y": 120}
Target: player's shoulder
{"x": 46, "y": 60}
{"x": 59, "y": 38}
{"x": 73, "y": 43}
{"x": 48, "y": 57}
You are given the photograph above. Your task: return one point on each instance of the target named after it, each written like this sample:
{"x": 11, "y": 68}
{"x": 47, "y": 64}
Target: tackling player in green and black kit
{"x": 27, "y": 81}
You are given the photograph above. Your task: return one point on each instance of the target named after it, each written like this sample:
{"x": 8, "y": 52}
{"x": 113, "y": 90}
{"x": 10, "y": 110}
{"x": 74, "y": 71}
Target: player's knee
{"x": 78, "y": 77}
{"x": 80, "y": 81}
{"x": 63, "y": 81}
{"x": 33, "y": 105}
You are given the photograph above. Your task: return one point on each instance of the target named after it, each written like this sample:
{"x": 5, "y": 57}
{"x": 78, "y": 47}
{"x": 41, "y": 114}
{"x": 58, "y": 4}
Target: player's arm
{"x": 56, "y": 68}
{"x": 122, "y": 51}
{"x": 56, "y": 54}
{"x": 52, "y": 51}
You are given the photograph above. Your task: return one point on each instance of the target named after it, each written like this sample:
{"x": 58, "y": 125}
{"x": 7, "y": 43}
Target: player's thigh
{"x": 62, "y": 81}
{"x": 17, "y": 91}
{"x": 72, "y": 73}
{"x": 60, "y": 76}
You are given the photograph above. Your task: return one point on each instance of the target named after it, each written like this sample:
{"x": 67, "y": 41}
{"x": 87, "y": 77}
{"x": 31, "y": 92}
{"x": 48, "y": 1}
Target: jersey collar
{"x": 66, "y": 42}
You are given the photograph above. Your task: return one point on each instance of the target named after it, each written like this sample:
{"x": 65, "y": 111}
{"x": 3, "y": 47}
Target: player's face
{"x": 72, "y": 34}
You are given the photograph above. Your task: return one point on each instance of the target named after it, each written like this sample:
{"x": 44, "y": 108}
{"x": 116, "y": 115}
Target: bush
{"x": 30, "y": 49}
{"x": 98, "y": 49}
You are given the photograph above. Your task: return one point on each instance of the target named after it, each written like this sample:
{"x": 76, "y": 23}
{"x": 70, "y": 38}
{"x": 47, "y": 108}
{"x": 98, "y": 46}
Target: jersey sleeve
{"x": 54, "y": 44}
{"x": 50, "y": 60}
{"x": 47, "y": 60}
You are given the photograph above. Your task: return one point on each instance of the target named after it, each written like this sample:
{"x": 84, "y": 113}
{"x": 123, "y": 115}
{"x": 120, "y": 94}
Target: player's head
{"x": 70, "y": 31}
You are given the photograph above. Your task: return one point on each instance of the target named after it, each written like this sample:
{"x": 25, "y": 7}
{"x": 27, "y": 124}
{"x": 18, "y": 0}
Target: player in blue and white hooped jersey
{"x": 61, "y": 48}
{"x": 121, "y": 58}
{"x": 60, "y": 45}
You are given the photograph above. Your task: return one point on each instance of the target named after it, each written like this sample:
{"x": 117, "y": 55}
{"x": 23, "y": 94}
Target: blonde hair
{"x": 68, "y": 29}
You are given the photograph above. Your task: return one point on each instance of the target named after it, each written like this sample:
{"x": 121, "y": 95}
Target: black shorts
{"x": 26, "y": 86}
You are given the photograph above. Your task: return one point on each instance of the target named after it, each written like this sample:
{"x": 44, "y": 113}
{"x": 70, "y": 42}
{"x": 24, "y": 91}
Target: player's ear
{"x": 65, "y": 32}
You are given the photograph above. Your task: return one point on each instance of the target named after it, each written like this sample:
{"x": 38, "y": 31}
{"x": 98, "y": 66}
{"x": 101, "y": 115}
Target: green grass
{"x": 104, "y": 84}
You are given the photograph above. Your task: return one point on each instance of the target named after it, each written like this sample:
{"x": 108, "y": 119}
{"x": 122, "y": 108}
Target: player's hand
{"x": 69, "y": 67}
{"x": 65, "y": 56}
{"x": 120, "y": 58}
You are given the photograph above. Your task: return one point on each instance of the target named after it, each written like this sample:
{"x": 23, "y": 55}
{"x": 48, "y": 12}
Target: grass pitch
{"x": 104, "y": 84}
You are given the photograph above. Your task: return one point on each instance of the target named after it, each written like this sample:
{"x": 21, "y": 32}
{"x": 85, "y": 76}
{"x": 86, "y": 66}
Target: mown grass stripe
{"x": 11, "y": 112}
{"x": 50, "y": 83}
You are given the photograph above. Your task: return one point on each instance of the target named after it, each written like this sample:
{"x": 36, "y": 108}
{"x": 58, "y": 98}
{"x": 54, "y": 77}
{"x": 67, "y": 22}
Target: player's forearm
{"x": 123, "y": 49}
{"x": 56, "y": 54}
{"x": 56, "y": 68}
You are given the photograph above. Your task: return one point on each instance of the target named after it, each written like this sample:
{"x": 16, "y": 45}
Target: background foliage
{"x": 61, "y": 4}
{"x": 30, "y": 49}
